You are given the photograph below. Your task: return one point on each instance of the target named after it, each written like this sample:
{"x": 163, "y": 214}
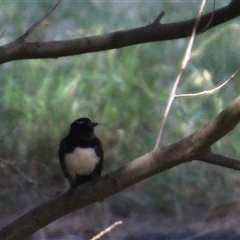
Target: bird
{"x": 80, "y": 153}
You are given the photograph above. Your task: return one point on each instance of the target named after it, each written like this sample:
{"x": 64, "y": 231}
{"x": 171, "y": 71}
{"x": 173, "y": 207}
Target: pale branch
{"x": 208, "y": 91}
{"x": 220, "y": 160}
{"x": 149, "y": 33}
{"x": 177, "y": 81}
{"x": 26, "y": 34}
{"x": 195, "y": 146}
{"x": 206, "y": 27}
{"x": 101, "y": 234}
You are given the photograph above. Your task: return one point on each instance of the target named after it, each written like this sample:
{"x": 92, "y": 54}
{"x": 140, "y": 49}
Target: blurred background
{"x": 126, "y": 90}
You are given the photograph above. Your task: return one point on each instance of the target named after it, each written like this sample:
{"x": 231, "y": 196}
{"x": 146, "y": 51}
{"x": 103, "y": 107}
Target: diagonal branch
{"x": 149, "y": 33}
{"x": 183, "y": 68}
{"x": 195, "y": 146}
{"x": 106, "y": 230}
{"x": 26, "y": 34}
{"x": 159, "y": 17}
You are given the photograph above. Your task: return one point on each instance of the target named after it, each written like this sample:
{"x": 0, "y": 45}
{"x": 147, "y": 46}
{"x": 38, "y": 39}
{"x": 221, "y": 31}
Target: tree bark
{"x": 20, "y": 49}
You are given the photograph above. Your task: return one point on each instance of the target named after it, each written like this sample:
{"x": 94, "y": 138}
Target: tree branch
{"x": 26, "y": 34}
{"x": 159, "y": 17}
{"x": 177, "y": 81}
{"x": 220, "y": 160}
{"x": 195, "y": 146}
{"x": 208, "y": 91}
{"x": 150, "y": 33}
{"x": 102, "y": 233}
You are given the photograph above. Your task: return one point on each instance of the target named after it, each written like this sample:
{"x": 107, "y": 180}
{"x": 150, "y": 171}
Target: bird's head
{"x": 83, "y": 128}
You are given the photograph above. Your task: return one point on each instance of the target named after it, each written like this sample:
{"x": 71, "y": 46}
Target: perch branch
{"x": 195, "y": 146}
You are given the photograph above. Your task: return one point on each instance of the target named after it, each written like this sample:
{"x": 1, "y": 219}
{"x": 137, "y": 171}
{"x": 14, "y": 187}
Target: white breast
{"x": 82, "y": 161}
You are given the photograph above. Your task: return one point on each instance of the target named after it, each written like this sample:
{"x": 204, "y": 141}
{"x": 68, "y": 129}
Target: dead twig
{"x": 159, "y": 17}
{"x": 106, "y": 230}
{"x": 183, "y": 67}
{"x": 208, "y": 91}
{"x": 24, "y": 35}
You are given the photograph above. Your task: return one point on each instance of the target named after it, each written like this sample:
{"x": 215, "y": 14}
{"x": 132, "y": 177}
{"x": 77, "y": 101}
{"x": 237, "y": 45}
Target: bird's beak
{"x": 94, "y": 124}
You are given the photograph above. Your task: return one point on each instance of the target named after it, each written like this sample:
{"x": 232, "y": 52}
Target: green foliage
{"x": 126, "y": 90}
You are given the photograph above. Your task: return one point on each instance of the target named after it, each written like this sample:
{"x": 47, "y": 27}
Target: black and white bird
{"x": 80, "y": 153}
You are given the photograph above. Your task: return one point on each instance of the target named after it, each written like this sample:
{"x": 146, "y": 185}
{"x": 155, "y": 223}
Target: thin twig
{"x": 159, "y": 17}
{"x": 208, "y": 91}
{"x": 6, "y": 27}
{"x": 209, "y": 22}
{"x": 183, "y": 67}
{"x": 24, "y": 36}
{"x": 220, "y": 160}
{"x": 106, "y": 230}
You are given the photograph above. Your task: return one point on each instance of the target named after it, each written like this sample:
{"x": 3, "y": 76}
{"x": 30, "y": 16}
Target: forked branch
{"x": 183, "y": 67}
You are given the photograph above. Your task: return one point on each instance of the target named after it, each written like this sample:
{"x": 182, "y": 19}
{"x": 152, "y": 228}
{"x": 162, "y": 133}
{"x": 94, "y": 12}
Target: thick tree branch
{"x": 195, "y": 146}
{"x": 150, "y": 33}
